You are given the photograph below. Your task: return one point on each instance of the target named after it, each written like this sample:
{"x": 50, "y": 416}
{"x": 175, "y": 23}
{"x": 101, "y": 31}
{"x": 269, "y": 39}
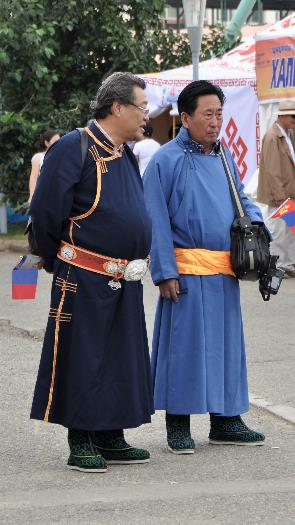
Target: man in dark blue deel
{"x": 91, "y": 228}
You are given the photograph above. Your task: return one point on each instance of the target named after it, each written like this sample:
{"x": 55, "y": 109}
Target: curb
{"x": 282, "y": 411}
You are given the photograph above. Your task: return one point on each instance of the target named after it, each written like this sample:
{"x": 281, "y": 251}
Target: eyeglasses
{"x": 144, "y": 110}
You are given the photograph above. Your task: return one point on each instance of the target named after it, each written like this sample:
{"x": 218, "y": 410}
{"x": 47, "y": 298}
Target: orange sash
{"x": 198, "y": 261}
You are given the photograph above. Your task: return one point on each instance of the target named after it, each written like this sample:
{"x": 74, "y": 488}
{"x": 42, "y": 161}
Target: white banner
{"x": 240, "y": 130}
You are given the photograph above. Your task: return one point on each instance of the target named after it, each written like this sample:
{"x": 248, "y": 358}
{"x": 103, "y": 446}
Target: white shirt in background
{"x": 144, "y": 150}
{"x": 39, "y": 157}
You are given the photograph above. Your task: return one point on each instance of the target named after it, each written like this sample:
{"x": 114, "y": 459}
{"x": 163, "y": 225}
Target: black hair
{"x": 148, "y": 131}
{"x": 118, "y": 86}
{"x": 188, "y": 98}
{"x": 47, "y": 135}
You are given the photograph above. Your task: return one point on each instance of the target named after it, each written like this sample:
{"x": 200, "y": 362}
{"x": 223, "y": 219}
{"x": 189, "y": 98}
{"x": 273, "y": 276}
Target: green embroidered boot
{"x": 114, "y": 449}
{"x": 83, "y": 457}
{"x": 232, "y": 431}
{"x": 179, "y": 434}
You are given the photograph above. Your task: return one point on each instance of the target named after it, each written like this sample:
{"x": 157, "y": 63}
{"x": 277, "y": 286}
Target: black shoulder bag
{"x": 250, "y": 254}
{"x": 29, "y": 229}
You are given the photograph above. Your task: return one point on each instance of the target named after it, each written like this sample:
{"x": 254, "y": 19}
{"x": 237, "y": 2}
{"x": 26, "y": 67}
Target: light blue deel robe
{"x": 198, "y": 355}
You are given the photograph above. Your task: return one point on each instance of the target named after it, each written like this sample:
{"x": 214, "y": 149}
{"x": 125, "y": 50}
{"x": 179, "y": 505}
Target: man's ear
{"x": 116, "y": 108}
{"x": 185, "y": 119}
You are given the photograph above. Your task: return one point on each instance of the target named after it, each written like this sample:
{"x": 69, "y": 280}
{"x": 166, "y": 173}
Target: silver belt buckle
{"x": 112, "y": 267}
{"x": 136, "y": 270}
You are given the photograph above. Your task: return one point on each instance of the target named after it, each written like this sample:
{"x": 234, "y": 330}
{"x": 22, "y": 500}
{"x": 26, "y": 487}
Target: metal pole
{"x": 195, "y": 57}
{"x": 223, "y": 7}
{"x": 260, "y": 12}
{"x": 195, "y": 38}
{"x": 177, "y": 20}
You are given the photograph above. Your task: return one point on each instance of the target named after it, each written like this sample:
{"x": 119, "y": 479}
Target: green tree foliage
{"x": 53, "y": 56}
{"x": 214, "y": 43}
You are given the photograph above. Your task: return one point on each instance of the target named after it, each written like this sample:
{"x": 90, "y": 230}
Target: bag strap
{"x": 84, "y": 145}
{"x": 84, "y": 150}
{"x": 237, "y": 202}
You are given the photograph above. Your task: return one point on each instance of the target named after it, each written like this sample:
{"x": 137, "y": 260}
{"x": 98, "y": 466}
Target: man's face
{"x": 205, "y": 123}
{"x": 287, "y": 121}
{"x": 132, "y": 116}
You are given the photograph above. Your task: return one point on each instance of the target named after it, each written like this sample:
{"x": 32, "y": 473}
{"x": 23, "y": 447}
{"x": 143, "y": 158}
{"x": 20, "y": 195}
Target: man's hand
{"x": 40, "y": 264}
{"x": 169, "y": 289}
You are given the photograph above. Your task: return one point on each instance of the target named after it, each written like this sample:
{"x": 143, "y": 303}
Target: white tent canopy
{"x": 235, "y": 74}
{"x": 235, "y": 69}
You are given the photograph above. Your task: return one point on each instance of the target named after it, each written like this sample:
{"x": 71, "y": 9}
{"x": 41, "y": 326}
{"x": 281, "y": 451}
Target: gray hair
{"x": 116, "y": 87}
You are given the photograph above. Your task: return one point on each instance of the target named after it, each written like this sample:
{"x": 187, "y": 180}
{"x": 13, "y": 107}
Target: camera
{"x": 270, "y": 282}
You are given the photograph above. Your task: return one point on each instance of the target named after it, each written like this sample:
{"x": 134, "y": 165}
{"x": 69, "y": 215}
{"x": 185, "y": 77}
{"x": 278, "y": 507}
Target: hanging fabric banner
{"x": 275, "y": 67}
{"x": 240, "y": 129}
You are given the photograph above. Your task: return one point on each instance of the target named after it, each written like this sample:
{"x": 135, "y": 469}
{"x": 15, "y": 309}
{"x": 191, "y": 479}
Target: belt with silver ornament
{"x": 102, "y": 264}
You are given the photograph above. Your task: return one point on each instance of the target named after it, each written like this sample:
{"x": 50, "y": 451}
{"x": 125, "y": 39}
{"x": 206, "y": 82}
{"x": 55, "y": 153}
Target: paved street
{"x": 217, "y": 485}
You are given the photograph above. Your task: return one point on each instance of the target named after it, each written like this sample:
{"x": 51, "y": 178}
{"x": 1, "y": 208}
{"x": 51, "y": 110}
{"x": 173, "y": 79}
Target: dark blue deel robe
{"x": 94, "y": 371}
{"x": 198, "y": 357}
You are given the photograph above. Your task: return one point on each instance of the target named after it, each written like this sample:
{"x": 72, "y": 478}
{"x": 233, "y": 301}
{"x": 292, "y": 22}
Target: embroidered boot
{"x": 112, "y": 446}
{"x": 232, "y": 431}
{"x": 83, "y": 457}
{"x": 179, "y": 434}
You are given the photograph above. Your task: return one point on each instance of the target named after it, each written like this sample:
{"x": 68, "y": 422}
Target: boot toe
{"x": 115, "y": 450}
{"x": 87, "y": 463}
{"x": 233, "y": 431}
{"x": 182, "y": 446}
{"x": 125, "y": 456}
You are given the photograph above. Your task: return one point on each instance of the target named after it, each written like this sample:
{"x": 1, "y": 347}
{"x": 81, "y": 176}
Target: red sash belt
{"x": 94, "y": 262}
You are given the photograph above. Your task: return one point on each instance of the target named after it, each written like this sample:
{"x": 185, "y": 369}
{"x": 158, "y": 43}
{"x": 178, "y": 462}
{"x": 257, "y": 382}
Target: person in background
{"x": 47, "y": 139}
{"x": 145, "y": 148}
{"x": 138, "y": 136}
{"x": 276, "y": 182}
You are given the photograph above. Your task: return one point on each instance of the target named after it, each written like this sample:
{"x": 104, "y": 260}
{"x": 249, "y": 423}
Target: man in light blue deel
{"x": 198, "y": 356}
